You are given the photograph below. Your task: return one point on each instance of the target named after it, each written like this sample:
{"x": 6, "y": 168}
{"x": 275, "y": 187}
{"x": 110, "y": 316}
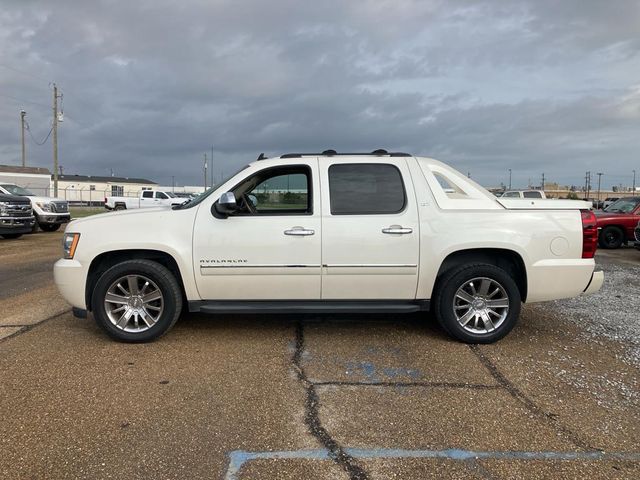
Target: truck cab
{"x": 49, "y": 212}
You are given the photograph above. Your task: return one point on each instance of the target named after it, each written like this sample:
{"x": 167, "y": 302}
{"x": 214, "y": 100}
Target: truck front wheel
{"x": 478, "y": 303}
{"x": 49, "y": 227}
{"x": 136, "y": 301}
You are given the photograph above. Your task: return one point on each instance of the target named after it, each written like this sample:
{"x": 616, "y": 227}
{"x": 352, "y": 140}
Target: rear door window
{"x": 365, "y": 189}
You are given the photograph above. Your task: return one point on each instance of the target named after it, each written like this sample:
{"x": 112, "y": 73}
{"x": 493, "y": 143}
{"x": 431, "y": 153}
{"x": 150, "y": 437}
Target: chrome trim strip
{"x": 260, "y": 266}
{"x": 369, "y": 265}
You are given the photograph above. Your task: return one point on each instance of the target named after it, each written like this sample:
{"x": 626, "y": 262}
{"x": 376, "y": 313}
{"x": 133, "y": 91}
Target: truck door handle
{"x": 397, "y": 229}
{"x": 300, "y": 231}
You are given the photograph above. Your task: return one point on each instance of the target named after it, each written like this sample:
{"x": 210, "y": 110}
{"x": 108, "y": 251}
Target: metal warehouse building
{"x": 35, "y": 179}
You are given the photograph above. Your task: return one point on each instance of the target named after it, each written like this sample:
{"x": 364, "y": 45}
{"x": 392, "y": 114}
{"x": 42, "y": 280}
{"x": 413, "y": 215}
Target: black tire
{"x": 611, "y": 237}
{"x": 119, "y": 206}
{"x": 49, "y": 227}
{"x": 444, "y": 298}
{"x": 157, "y": 273}
{"x": 11, "y": 236}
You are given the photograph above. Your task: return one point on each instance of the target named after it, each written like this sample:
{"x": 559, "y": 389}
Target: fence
{"x": 85, "y": 195}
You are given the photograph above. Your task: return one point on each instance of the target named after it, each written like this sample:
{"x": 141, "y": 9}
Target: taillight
{"x": 589, "y": 234}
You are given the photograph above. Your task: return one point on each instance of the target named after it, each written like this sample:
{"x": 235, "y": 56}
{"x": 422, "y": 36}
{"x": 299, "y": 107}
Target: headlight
{"x": 69, "y": 244}
{"x": 3, "y": 208}
{"x": 46, "y": 207}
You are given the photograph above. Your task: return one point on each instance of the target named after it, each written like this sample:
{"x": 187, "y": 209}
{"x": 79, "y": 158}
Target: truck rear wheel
{"x": 136, "y": 301}
{"x": 478, "y": 303}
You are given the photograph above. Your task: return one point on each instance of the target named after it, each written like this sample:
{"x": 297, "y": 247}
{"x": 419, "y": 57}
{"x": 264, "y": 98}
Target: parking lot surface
{"x": 316, "y": 396}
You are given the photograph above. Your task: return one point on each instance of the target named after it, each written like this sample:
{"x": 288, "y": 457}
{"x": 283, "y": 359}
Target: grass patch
{"x": 80, "y": 212}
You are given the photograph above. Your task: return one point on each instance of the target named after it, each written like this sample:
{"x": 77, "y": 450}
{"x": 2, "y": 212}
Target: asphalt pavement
{"x": 305, "y": 396}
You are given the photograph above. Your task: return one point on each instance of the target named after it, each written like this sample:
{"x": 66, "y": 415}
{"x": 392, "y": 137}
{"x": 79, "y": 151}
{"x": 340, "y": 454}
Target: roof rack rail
{"x": 332, "y": 153}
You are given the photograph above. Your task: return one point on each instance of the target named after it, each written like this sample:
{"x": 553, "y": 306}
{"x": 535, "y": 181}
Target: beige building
{"x": 91, "y": 190}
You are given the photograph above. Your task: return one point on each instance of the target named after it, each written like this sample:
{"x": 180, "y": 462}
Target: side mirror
{"x": 226, "y": 205}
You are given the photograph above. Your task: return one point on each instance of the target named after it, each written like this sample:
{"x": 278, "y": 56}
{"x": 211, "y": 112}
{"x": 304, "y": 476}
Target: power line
{"x": 34, "y": 138}
{"x": 24, "y": 101}
{"x": 23, "y": 72}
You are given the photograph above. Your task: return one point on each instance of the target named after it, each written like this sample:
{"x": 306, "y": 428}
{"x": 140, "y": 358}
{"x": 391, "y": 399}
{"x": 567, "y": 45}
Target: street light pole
{"x": 634, "y": 181}
{"x": 205, "y": 171}
{"x": 24, "y": 155}
{"x": 509, "y": 179}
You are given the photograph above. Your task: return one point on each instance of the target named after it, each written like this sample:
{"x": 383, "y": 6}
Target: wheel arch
{"x": 508, "y": 260}
{"x": 106, "y": 260}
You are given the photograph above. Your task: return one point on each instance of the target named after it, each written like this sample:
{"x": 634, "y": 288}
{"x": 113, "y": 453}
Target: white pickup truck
{"x": 146, "y": 199}
{"x": 381, "y": 232}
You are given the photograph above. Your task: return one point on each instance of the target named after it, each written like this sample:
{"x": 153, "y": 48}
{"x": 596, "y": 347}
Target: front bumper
{"x": 70, "y": 277}
{"x": 16, "y": 224}
{"x": 54, "y": 219}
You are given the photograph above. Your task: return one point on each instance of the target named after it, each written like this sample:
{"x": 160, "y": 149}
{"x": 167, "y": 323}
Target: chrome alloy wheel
{"x": 133, "y": 303}
{"x": 481, "y": 305}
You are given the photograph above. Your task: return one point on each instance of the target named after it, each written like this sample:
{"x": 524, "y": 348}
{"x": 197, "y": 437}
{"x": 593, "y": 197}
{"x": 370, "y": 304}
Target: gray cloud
{"x": 149, "y": 85}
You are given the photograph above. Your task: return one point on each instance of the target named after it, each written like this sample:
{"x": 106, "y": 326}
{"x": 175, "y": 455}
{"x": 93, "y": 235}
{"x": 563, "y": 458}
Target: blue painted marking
{"x": 371, "y": 373}
{"x": 238, "y": 458}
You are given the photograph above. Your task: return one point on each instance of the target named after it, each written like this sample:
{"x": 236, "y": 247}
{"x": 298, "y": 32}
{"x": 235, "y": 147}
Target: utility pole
{"x": 24, "y": 154}
{"x": 587, "y": 183}
{"x": 205, "y": 171}
{"x": 599, "y": 177}
{"x": 543, "y": 182}
{"x": 509, "y": 179}
{"x": 55, "y": 140}
{"x": 212, "y": 165}
{"x": 173, "y": 184}
{"x": 634, "y": 181}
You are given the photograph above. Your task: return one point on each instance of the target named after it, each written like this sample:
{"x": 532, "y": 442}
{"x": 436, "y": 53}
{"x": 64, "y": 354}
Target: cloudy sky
{"x": 535, "y": 86}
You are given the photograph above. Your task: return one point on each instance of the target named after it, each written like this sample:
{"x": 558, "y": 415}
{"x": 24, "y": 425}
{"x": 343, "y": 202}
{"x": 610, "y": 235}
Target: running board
{"x": 309, "y": 306}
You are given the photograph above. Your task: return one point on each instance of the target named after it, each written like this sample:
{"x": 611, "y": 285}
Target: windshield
{"x": 16, "y": 190}
{"x": 197, "y": 200}
{"x": 170, "y": 195}
{"x": 624, "y": 205}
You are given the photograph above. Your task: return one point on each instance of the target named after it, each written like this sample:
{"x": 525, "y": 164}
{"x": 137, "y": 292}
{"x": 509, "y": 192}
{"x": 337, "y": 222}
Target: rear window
{"x": 365, "y": 189}
{"x": 532, "y": 195}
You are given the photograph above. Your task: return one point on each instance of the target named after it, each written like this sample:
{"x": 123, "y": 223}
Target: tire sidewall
{"x": 165, "y": 281}
{"x": 454, "y": 280}
{"x": 619, "y": 238}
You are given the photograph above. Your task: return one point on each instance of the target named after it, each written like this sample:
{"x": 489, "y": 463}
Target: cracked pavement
{"x": 304, "y": 396}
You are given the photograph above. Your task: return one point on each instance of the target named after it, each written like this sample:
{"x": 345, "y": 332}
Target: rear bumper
{"x": 597, "y": 279}
{"x": 562, "y": 278}
{"x": 16, "y": 224}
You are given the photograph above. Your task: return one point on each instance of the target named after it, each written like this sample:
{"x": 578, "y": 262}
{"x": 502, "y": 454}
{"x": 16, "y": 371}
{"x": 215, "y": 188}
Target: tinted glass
{"x": 365, "y": 189}
{"x": 511, "y": 194}
{"x": 532, "y": 195}
{"x": 161, "y": 195}
{"x": 281, "y": 193}
{"x": 147, "y": 194}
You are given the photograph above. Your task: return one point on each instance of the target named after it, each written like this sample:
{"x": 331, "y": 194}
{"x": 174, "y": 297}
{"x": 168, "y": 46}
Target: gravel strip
{"x": 613, "y": 312}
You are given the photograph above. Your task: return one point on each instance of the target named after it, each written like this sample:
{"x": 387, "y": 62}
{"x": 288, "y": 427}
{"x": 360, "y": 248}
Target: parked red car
{"x": 617, "y": 222}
